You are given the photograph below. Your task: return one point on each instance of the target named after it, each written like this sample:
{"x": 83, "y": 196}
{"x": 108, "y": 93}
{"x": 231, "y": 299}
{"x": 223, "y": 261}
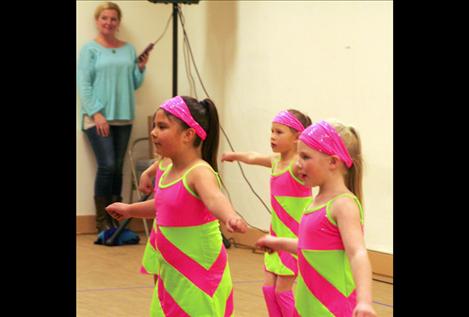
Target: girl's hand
{"x": 364, "y": 310}
{"x": 145, "y": 184}
{"x": 102, "y": 126}
{"x": 228, "y": 156}
{"x": 118, "y": 211}
{"x": 267, "y": 243}
{"x": 236, "y": 224}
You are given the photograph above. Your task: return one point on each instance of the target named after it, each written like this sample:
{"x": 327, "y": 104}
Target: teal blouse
{"x": 107, "y": 79}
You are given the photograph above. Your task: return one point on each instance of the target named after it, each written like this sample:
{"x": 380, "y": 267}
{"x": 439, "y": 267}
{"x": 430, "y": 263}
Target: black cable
{"x": 190, "y": 78}
{"x": 165, "y": 28}
{"x": 187, "y": 65}
{"x": 186, "y": 39}
{"x": 152, "y": 44}
{"x": 180, "y": 14}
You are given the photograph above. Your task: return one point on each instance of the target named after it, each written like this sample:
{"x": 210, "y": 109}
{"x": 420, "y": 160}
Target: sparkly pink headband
{"x": 177, "y": 107}
{"x": 323, "y": 137}
{"x": 286, "y": 118}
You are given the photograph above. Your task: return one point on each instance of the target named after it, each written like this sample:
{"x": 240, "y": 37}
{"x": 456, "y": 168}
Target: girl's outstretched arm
{"x": 205, "y": 185}
{"x": 271, "y": 243}
{"x": 121, "y": 211}
{"x": 347, "y": 216}
{"x": 252, "y": 158}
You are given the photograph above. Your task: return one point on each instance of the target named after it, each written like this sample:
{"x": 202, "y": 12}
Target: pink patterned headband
{"x": 178, "y": 108}
{"x": 286, "y": 118}
{"x": 323, "y": 137}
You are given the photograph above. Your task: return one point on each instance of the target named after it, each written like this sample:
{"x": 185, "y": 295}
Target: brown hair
{"x": 108, "y": 6}
{"x": 304, "y": 119}
{"x": 206, "y": 114}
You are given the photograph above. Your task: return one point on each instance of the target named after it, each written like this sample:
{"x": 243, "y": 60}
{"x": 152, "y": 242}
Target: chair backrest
{"x": 151, "y": 146}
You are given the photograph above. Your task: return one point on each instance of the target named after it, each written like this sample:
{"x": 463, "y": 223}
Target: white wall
{"x": 326, "y": 58}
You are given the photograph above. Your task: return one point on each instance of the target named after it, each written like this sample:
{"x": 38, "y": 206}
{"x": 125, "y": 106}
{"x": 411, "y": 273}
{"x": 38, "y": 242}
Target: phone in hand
{"x": 147, "y": 49}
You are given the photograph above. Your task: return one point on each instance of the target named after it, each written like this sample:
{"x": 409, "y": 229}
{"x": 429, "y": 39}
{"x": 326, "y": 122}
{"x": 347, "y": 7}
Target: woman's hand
{"x": 102, "y": 126}
{"x": 142, "y": 61}
{"x": 118, "y": 211}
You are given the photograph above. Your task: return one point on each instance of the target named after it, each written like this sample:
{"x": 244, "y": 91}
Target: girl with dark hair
{"x": 194, "y": 277}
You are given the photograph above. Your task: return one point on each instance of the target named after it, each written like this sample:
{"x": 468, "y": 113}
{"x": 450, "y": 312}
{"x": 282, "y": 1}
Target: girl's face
{"x": 313, "y": 165}
{"x": 166, "y": 134}
{"x": 282, "y": 139}
{"x": 107, "y": 22}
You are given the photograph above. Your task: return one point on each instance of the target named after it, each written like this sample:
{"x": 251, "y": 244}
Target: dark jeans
{"x": 110, "y": 154}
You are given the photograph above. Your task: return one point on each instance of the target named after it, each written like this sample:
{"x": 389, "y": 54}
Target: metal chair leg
{"x": 134, "y": 182}
{"x": 145, "y": 225}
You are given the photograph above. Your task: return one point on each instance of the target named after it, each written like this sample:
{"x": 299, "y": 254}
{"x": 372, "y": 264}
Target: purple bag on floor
{"x": 125, "y": 237}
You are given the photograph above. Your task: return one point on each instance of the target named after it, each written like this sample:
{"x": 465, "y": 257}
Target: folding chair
{"x": 137, "y": 167}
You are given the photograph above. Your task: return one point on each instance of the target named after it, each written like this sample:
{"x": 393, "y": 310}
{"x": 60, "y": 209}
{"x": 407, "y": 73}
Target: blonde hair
{"x": 108, "y": 6}
{"x": 353, "y": 176}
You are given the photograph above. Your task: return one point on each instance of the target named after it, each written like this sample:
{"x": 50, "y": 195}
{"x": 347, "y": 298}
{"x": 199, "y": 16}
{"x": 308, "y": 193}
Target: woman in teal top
{"x": 108, "y": 75}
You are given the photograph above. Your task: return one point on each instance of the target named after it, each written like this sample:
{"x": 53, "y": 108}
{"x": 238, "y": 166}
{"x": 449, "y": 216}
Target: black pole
{"x": 175, "y": 49}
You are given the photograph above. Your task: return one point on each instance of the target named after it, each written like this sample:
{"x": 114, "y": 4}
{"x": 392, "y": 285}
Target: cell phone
{"x": 147, "y": 49}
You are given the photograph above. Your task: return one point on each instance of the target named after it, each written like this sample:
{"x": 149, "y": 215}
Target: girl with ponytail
{"x": 194, "y": 277}
{"x": 334, "y": 269}
{"x": 288, "y": 197}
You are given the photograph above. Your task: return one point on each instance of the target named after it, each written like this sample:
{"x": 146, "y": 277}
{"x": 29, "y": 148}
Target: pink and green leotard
{"x": 151, "y": 255}
{"x": 288, "y": 197}
{"x": 325, "y": 283}
{"x": 194, "y": 275}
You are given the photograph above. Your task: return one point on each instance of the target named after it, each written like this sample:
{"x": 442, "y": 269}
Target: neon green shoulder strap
{"x": 350, "y": 195}
{"x": 184, "y": 177}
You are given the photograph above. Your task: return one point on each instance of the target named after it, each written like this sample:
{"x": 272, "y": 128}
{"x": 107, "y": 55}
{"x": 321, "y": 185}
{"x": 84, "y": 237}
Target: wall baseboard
{"x": 381, "y": 263}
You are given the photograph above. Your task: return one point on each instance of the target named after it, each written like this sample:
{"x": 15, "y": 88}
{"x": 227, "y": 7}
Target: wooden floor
{"x": 109, "y": 284}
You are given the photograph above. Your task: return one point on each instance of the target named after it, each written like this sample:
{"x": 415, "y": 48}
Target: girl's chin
{"x": 157, "y": 149}
{"x": 306, "y": 182}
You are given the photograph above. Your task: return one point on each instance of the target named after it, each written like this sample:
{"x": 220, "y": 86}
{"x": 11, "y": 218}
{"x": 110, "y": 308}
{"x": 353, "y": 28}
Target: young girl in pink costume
{"x": 288, "y": 198}
{"x": 148, "y": 182}
{"x": 334, "y": 269}
{"x": 194, "y": 277}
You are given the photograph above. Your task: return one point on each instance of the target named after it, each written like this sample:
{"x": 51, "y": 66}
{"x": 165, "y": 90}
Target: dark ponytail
{"x": 206, "y": 114}
{"x": 304, "y": 119}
